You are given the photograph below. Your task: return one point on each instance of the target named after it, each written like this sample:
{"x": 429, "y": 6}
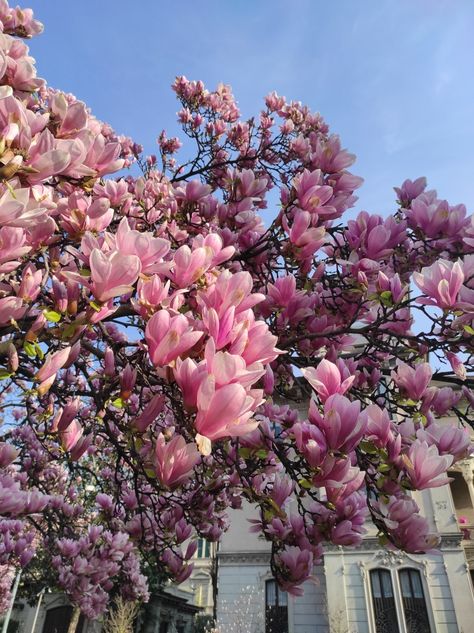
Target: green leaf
{"x": 386, "y": 298}
{"x": 244, "y": 452}
{"x": 469, "y": 329}
{"x": 4, "y": 374}
{"x": 52, "y": 315}
{"x": 39, "y": 351}
{"x": 30, "y": 349}
{"x": 261, "y": 453}
{"x": 95, "y": 306}
{"x": 118, "y": 403}
{"x": 305, "y": 483}
{"x": 368, "y": 447}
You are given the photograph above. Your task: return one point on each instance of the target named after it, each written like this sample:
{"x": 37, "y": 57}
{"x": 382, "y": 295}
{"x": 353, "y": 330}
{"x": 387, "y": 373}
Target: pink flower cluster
{"x": 158, "y": 339}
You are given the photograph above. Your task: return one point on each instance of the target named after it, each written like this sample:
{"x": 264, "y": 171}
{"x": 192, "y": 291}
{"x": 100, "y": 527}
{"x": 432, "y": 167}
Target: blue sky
{"x": 393, "y": 77}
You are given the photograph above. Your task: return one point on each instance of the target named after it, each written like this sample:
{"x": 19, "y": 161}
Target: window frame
{"x": 401, "y": 562}
{"x": 266, "y": 605}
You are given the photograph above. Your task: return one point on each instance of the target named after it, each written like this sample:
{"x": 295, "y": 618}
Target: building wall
{"x": 340, "y": 600}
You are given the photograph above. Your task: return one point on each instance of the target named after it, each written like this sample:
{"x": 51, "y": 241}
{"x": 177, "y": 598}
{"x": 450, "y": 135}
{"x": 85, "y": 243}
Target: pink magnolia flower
{"x": 70, "y": 436}
{"x": 457, "y": 365}
{"x": 189, "y": 376}
{"x": 174, "y": 460}
{"x": 409, "y": 530}
{"x": 440, "y": 283}
{"x": 312, "y": 195}
{"x": 326, "y": 379}
{"x": 151, "y": 293}
{"x": 193, "y": 191}
{"x": 379, "y": 425}
{"x": 305, "y": 238}
{"x": 53, "y": 364}
{"x": 225, "y": 412}
{"x": 231, "y": 290}
{"x": 149, "y": 413}
{"x": 150, "y": 250}
{"x": 189, "y": 265}
{"x": 311, "y": 442}
{"x": 8, "y": 454}
{"x": 67, "y": 414}
{"x": 413, "y": 381}
{"x": 11, "y": 308}
{"x": 410, "y": 189}
{"x": 425, "y": 467}
{"x": 392, "y": 285}
{"x": 169, "y": 337}
{"x": 449, "y": 439}
{"x": 296, "y": 566}
{"x": 112, "y": 274}
{"x": 341, "y": 422}
{"x": 213, "y": 242}
{"x": 219, "y": 328}
{"x": 13, "y": 245}
{"x": 80, "y": 447}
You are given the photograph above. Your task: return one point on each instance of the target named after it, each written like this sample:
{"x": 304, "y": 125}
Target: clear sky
{"x": 393, "y": 77}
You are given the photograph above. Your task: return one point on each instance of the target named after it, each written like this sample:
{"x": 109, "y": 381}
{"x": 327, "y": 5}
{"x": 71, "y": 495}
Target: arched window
{"x": 414, "y": 604}
{"x": 385, "y": 611}
{"x": 276, "y": 608}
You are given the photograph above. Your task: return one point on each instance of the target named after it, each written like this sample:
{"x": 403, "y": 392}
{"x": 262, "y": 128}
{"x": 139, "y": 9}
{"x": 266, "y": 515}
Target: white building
{"x": 359, "y": 590}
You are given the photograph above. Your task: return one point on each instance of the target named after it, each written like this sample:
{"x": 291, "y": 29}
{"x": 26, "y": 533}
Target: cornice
{"x": 247, "y": 558}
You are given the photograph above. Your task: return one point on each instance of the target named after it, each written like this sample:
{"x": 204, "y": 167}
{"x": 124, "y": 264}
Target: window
{"x": 276, "y": 608}
{"x": 414, "y": 605}
{"x": 58, "y": 620}
{"x": 201, "y": 591}
{"x": 404, "y": 589}
{"x": 204, "y": 548}
{"x": 385, "y": 611}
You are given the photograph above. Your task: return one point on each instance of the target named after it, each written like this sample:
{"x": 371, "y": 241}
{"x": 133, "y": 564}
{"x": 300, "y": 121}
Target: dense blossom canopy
{"x": 159, "y": 341}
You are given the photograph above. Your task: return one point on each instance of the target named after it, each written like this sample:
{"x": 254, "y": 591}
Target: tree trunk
{"x": 76, "y": 614}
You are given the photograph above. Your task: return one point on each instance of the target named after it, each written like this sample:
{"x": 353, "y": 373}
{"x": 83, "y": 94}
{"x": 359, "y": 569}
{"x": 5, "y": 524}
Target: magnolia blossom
{"x": 174, "y": 460}
{"x": 413, "y": 381}
{"x": 225, "y": 411}
{"x": 154, "y": 330}
{"x": 169, "y": 337}
{"x": 112, "y": 274}
{"x": 425, "y": 467}
{"x": 440, "y": 283}
{"x": 326, "y": 380}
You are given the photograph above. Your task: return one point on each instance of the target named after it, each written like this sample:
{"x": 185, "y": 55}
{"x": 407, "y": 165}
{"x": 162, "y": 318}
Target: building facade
{"x": 359, "y": 590}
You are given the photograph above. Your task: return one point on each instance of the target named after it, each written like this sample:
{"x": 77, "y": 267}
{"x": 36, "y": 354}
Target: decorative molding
{"x": 390, "y": 558}
{"x": 244, "y": 558}
{"x": 449, "y": 540}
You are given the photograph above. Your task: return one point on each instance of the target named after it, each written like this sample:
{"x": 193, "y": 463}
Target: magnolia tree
{"x": 154, "y": 331}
